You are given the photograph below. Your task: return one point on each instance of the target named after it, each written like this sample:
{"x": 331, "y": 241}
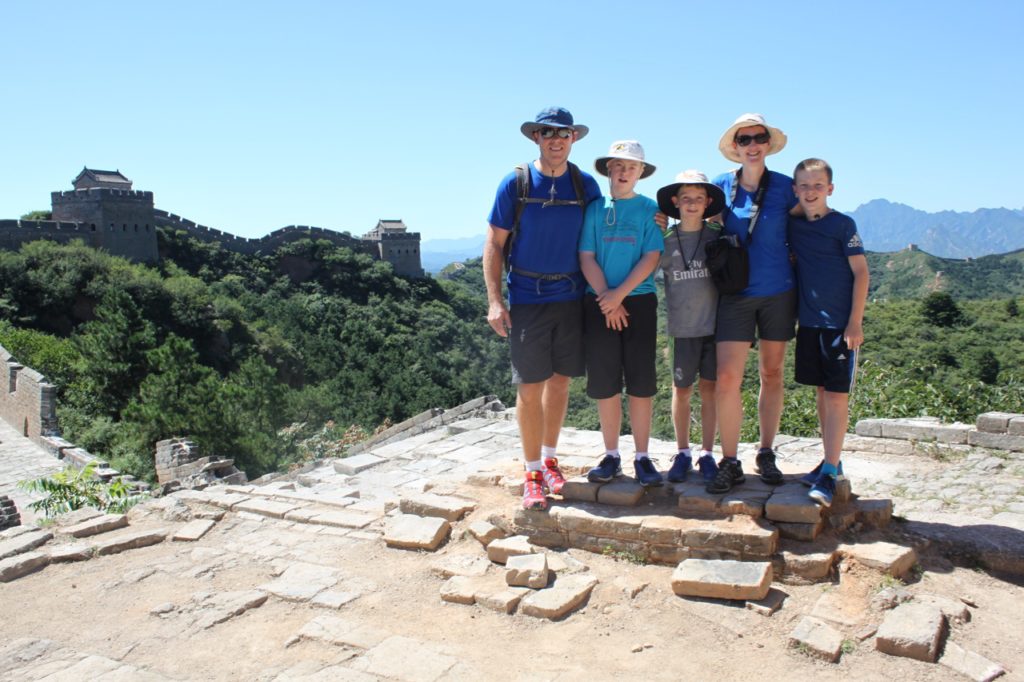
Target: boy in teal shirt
{"x": 620, "y": 248}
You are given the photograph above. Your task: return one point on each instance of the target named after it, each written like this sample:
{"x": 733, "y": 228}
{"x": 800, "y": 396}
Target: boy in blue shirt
{"x": 832, "y": 285}
{"x": 619, "y": 250}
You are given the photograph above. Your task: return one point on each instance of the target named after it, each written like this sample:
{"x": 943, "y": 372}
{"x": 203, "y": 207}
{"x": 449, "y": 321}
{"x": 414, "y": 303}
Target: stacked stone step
{"x": 9, "y": 516}
{"x": 999, "y": 430}
{"x": 180, "y": 465}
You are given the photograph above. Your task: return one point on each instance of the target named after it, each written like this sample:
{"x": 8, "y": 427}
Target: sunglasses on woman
{"x": 760, "y": 138}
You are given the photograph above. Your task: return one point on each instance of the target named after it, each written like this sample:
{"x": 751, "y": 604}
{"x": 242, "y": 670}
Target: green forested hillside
{"x": 914, "y": 274}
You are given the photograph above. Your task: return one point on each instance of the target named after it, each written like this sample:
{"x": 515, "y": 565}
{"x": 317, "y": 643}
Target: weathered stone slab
{"x": 96, "y": 525}
{"x": 275, "y": 510}
{"x": 953, "y": 609}
{"x": 740, "y": 535}
{"x": 24, "y": 542}
{"x": 743, "y": 500}
{"x": 330, "y": 599}
{"x": 926, "y": 430}
{"x": 913, "y": 631}
{"x": 694, "y": 499}
{"x": 771, "y": 603}
{"x": 800, "y": 564}
{"x": 995, "y": 422}
{"x": 131, "y": 540}
{"x": 722, "y": 579}
{"x": 500, "y": 550}
{"x": 527, "y": 570}
{"x": 873, "y": 513}
{"x": 817, "y": 639}
{"x": 485, "y": 532}
{"x": 440, "y": 506}
{"x": 1016, "y": 426}
{"x": 77, "y": 516}
{"x": 597, "y": 520}
{"x": 790, "y": 504}
{"x": 971, "y": 665}
{"x": 357, "y": 463}
{"x": 663, "y": 530}
{"x": 555, "y": 602}
{"x": 302, "y": 581}
{"x": 502, "y": 601}
{"x": 459, "y": 589}
{"x": 20, "y": 565}
{"x": 406, "y": 531}
{"x": 887, "y": 557}
{"x": 403, "y": 658}
{"x": 224, "y": 500}
{"x": 996, "y": 441}
{"x": 804, "y": 532}
{"x": 467, "y": 565}
{"x": 220, "y": 607}
{"x": 869, "y": 427}
{"x": 62, "y": 554}
{"x": 343, "y": 518}
{"x": 193, "y": 530}
{"x": 579, "y": 489}
{"x": 622, "y": 492}
{"x": 837, "y": 607}
{"x": 342, "y": 632}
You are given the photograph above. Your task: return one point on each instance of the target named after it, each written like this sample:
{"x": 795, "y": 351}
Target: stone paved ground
{"x": 21, "y": 459}
{"x": 295, "y": 582}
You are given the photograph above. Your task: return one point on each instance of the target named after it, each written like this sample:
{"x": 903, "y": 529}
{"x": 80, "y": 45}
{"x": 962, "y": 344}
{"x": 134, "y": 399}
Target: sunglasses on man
{"x": 760, "y": 138}
{"x": 563, "y": 133}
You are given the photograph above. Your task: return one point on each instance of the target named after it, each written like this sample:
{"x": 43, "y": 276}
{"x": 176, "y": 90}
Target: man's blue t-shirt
{"x": 770, "y": 269}
{"x": 548, "y": 236}
{"x": 824, "y": 278}
{"x": 618, "y": 247}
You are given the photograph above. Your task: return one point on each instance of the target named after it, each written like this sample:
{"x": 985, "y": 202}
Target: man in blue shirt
{"x": 544, "y": 317}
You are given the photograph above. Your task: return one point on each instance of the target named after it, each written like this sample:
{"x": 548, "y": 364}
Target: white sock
{"x": 612, "y": 453}
{"x": 536, "y": 465}
{"x": 684, "y": 451}
{"x": 546, "y": 451}
{"x": 641, "y": 455}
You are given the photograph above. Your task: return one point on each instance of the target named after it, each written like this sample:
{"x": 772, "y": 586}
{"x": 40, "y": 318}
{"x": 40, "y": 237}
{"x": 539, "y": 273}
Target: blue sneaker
{"x": 823, "y": 490}
{"x": 646, "y": 474}
{"x": 608, "y": 468}
{"x": 708, "y": 467}
{"x": 681, "y": 465}
{"x": 811, "y": 477}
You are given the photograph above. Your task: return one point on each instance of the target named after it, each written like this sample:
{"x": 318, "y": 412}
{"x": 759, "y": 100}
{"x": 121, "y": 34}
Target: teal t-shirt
{"x": 618, "y": 247}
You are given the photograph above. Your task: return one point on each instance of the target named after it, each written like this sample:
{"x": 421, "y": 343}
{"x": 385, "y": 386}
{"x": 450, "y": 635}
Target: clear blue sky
{"x": 248, "y": 116}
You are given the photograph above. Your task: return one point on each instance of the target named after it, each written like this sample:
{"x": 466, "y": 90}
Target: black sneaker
{"x": 770, "y": 473}
{"x": 730, "y": 473}
{"x": 646, "y": 474}
{"x": 608, "y": 468}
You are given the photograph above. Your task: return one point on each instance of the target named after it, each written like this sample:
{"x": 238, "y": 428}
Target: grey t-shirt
{"x": 691, "y": 298}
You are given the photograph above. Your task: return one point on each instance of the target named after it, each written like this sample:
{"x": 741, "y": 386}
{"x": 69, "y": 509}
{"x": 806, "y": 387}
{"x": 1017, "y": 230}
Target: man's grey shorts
{"x": 546, "y": 338}
{"x": 773, "y": 317}
{"x": 690, "y": 355}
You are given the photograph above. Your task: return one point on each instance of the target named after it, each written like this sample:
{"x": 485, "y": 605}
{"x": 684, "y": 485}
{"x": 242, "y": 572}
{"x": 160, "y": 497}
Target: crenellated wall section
{"x": 27, "y": 400}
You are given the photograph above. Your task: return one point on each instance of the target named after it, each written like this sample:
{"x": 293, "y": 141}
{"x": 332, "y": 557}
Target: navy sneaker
{"x": 823, "y": 490}
{"x": 811, "y": 477}
{"x": 730, "y": 473}
{"x": 708, "y": 468}
{"x": 680, "y": 469}
{"x": 608, "y": 468}
{"x": 770, "y": 473}
{"x": 646, "y": 474}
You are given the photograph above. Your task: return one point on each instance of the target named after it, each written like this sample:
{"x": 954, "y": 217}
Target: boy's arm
{"x": 611, "y": 299}
{"x": 854, "y": 332}
{"x": 592, "y": 272}
{"x": 497, "y": 312}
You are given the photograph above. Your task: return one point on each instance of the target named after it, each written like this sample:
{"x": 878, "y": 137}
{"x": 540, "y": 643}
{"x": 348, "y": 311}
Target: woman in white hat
{"x": 758, "y": 202}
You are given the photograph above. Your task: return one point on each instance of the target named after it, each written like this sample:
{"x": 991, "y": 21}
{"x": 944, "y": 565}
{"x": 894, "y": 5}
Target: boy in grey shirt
{"x": 691, "y": 301}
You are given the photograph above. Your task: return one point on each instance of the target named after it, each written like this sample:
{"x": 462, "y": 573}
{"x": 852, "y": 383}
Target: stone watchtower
{"x": 114, "y": 217}
{"x": 397, "y": 246}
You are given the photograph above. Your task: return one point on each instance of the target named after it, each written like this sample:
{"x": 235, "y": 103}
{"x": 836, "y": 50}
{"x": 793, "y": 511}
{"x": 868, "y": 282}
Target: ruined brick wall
{"x": 27, "y": 400}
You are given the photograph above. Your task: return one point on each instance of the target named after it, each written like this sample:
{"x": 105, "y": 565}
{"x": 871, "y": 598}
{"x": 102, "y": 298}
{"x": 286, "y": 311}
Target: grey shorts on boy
{"x": 693, "y": 355}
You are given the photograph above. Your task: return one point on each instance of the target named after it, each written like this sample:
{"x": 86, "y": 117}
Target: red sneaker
{"x": 533, "y": 491}
{"x": 553, "y": 478}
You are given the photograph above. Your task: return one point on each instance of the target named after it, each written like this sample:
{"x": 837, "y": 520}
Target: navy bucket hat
{"x": 553, "y": 117}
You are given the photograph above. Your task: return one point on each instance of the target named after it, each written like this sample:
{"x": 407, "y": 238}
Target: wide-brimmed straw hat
{"x": 691, "y": 177}
{"x": 553, "y": 117}
{"x": 730, "y": 152}
{"x": 628, "y": 150}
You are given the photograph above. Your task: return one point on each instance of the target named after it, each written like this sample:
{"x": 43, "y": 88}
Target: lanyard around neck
{"x": 682, "y": 251}
{"x": 755, "y": 209}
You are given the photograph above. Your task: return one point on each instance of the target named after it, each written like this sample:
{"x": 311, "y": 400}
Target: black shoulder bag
{"x": 727, "y": 258}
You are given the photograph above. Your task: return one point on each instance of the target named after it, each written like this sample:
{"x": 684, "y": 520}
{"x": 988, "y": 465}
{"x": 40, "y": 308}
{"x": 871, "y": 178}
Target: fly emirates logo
{"x": 696, "y": 271}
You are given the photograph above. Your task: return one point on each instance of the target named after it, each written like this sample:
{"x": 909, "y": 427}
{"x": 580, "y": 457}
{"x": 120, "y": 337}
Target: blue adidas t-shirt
{"x": 824, "y": 278}
{"x": 770, "y": 270}
{"x": 618, "y": 247}
{"x": 548, "y": 236}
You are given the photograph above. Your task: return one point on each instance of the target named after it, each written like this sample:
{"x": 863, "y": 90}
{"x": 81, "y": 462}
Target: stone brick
{"x": 912, "y": 631}
{"x": 663, "y": 530}
{"x": 804, "y": 532}
{"x": 329, "y": 599}
{"x": 79, "y": 515}
{"x": 527, "y": 570}
{"x": 873, "y": 513}
{"x": 579, "y": 489}
{"x": 535, "y": 519}
{"x": 970, "y": 664}
{"x": 356, "y": 463}
{"x": 1016, "y": 426}
{"x": 440, "y": 506}
{"x": 800, "y": 563}
{"x": 95, "y": 526}
{"x": 342, "y": 632}
{"x": 995, "y": 422}
{"x": 483, "y": 479}
{"x": 416, "y": 532}
{"x": 302, "y": 581}
{"x": 790, "y": 504}
{"x": 836, "y": 606}
{"x": 600, "y": 521}
{"x": 817, "y": 639}
{"x": 887, "y": 557}
{"x": 770, "y": 604}
{"x": 24, "y": 542}
{"x": 502, "y": 601}
{"x": 275, "y": 510}
{"x": 741, "y": 500}
{"x": 466, "y": 565}
{"x": 667, "y": 554}
{"x": 925, "y": 429}
{"x": 459, "y": 589}
{"x": 132, "y": 540}
{"x": 722, "y": 579}
{"x": 403, "y": 658}
{"x": 557, "y": 601}
{"x": 61, "y": 554}
{"x": 953, "y": 609}
{"x": 500, "y": 550}
{"x": 343, "y": 518}
{"x": 193, "y": 530}
{"x": 225, "y": 500}
{"x": 485, "y": 532}
{"x": 740, "y": 535}
{"x": 996, "y": 441}
{"x": 622, "y": 492}
{"x": 869, "y": 427}
{"x": 20, "y": 565}
{"x": 694, "y": 499}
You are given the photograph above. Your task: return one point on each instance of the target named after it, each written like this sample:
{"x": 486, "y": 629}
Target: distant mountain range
{"x": 883, "y": 225}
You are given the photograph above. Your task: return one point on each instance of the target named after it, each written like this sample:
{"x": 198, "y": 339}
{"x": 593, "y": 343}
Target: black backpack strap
{"x": 577, "y": 183}
{"x": 522, "y": 195}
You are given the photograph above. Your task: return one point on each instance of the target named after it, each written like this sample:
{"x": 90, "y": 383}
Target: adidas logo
{"x": 841, "y": 357}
